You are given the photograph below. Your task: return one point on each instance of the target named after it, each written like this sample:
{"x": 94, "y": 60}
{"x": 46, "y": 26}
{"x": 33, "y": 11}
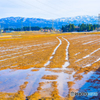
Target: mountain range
{"x": 18, "y": 22}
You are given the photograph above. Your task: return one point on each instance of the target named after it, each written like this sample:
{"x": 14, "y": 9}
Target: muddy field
{"x": 49, "y": 67}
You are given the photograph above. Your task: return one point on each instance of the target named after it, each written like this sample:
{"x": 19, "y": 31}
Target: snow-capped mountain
{"x": 79, "y": 20}
{"x": 18, "y": 22}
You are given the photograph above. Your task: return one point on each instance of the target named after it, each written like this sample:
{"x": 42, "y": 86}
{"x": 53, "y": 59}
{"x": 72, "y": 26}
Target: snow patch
{"x": 92, "y": 63}
{"x": 46, "y": 64}
{"x": 88, "y": 55}
{"x": 67, "y": 58}
{"x": 90, "y": 42}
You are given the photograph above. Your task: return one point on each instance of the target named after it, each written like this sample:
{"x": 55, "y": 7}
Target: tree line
{"x": 79, "y": 28}
{"x": 66, "y": 28}
{"x": 36, "y": 28}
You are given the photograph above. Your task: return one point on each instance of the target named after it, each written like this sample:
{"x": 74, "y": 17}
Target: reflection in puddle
{"x": 89, "y": 84}
{"x": 79, "y": 83}
{"x": 10, "y": 80}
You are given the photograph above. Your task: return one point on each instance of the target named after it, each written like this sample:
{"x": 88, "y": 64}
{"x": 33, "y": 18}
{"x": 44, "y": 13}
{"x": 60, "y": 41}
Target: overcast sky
{"x": 49, "y": 9}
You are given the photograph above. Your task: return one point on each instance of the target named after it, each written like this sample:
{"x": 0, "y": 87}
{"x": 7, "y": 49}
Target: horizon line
{"x": 47, "y": 18}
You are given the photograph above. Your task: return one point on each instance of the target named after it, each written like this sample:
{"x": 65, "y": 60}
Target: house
{"x": 46, "y": 30}
{"x": 98, "y": 29}
{"x": 1, "y": 30}
{"x": 76, "y": 28}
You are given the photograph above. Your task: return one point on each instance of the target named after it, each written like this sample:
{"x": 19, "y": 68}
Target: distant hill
{"x": 17, "y": 22}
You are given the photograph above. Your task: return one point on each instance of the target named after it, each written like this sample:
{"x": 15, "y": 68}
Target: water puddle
{"x": 10, "y": 80}
{"x": 89, "y": 84}
{"x": 79, "y": 83}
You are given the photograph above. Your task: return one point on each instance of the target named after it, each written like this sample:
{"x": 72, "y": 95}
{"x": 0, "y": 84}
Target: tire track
{"x": 46, "y": 64}
{"x": 67, "y": 58}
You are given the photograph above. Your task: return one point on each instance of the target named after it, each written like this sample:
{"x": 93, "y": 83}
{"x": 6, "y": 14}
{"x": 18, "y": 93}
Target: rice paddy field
{"x": 47, "y": 66}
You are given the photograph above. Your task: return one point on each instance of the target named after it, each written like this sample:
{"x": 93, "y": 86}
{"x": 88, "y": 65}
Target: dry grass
{"x": 50, "y": 77}
{"x": 35, "y": 70}
{"x": 70, "y": 83}
{"x": 52, "y": 70}
{"x": 23, "y": 86}
{"x": 59, "y": 57}
{"x": 36, "y": 56}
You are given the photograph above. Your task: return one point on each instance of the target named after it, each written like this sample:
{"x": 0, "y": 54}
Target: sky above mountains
{"x": 49, "y": 9}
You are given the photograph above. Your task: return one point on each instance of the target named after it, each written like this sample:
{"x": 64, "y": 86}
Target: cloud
{"x": 49, "y": 8}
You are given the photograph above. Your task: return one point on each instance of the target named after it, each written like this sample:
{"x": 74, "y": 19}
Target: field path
{"x": 57, "y": 65}
{"x": 50, "y": 66}
{"x": 46, "y": 64}
{"x": 67, "y": 53}
{"x": 60, "y": 55}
